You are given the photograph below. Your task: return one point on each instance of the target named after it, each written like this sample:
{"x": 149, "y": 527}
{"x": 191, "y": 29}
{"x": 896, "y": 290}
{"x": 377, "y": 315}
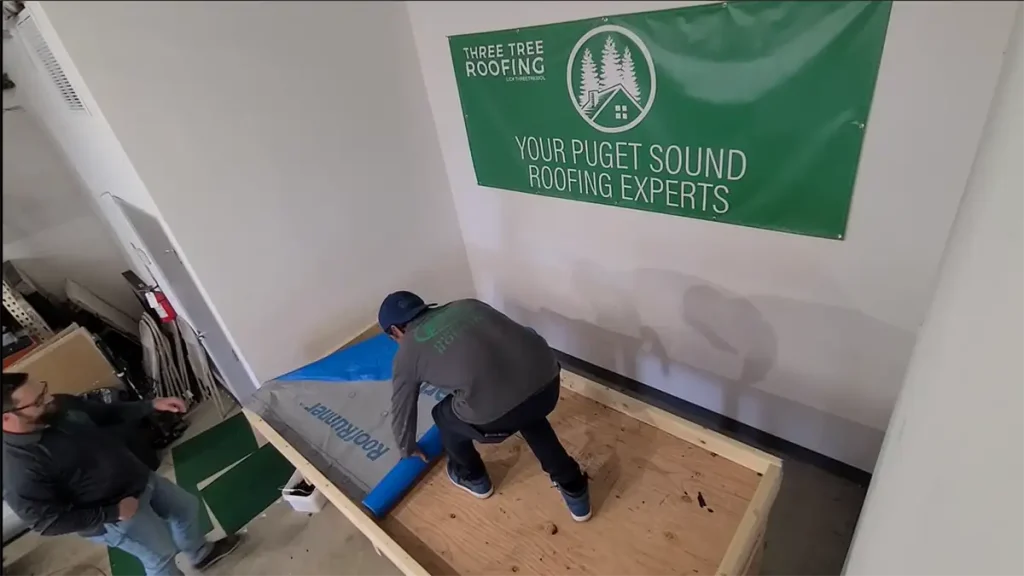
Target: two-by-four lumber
{"x": 747, "y": 539}
{"x": 738, "y": 452}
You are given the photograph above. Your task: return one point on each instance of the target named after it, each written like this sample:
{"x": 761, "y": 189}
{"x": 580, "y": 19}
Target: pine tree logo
{"x": 611, "y": 78}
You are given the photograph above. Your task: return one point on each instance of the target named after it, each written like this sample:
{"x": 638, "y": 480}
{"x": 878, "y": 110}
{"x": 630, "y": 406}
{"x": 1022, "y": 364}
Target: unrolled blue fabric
{"x": 368, "y": 360}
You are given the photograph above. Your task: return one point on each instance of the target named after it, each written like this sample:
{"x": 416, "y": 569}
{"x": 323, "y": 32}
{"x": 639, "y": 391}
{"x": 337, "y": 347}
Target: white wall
{"x": 947, "y": 495}
{"x": 84, "y": 137}
{"x": 50, "y": 229}
{"x": 93, "y": 150}
{"x": 290, "y": 151}
{"x": 805, "y": 338}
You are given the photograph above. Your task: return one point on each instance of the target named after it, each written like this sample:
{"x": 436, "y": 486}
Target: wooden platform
{"x": 647, "y": 488}
{"x": 669, "y": 497}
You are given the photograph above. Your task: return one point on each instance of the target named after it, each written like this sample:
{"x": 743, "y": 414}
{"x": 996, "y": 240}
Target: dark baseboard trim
{"x": 709, "y": 419}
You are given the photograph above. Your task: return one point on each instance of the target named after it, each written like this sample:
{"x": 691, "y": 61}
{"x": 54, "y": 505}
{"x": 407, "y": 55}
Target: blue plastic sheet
{"x": 368, "y": 360}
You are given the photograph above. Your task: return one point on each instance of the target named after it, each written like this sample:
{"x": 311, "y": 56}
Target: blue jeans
{"x": 167, "y": 522}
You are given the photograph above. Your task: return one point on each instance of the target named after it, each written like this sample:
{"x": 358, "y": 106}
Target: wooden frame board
{"x": 742, "y": 555}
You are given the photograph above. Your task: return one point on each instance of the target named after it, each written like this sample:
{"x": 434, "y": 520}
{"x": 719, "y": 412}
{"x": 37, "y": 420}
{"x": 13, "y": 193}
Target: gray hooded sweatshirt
{"x": 488, "y": 362}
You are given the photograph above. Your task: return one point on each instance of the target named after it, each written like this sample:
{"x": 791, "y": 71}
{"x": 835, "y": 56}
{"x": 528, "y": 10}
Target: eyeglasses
{"x": 38, "y": 402}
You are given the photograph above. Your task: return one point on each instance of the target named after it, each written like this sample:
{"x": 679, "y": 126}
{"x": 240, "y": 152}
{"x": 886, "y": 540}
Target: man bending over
{"x": 502, "y": 377}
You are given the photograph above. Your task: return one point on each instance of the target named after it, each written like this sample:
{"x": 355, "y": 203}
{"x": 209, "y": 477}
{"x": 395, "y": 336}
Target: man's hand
{"x": 419, "y": 454}
{"x": 127, "y": 508}
{"x": 176, "y": 405}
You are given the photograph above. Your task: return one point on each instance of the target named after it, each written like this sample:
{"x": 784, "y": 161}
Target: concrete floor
{"x": 808, "y": 533}
{"x": 281, "y": 541}
{"x": 812, "y": 522}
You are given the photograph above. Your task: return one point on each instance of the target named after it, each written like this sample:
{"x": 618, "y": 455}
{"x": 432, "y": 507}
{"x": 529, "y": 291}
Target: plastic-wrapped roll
{"x": 389, "y": 491}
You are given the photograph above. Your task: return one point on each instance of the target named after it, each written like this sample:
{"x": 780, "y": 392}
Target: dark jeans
{"x": 529, "y": 419}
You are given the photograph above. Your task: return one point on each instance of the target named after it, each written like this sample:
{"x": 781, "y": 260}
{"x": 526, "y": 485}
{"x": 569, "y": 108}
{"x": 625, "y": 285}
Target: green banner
{"x": 750, "y": 113}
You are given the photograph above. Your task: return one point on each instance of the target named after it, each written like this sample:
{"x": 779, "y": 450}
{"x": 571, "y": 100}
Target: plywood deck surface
{"x": 646, "y": 488}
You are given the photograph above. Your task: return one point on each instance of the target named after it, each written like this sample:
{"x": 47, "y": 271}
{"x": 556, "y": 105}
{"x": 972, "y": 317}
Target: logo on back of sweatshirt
{"x": 445, "y": 326}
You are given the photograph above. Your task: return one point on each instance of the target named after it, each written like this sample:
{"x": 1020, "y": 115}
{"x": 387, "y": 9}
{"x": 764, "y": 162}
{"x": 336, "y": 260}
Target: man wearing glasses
{"x": 63, "y": 473}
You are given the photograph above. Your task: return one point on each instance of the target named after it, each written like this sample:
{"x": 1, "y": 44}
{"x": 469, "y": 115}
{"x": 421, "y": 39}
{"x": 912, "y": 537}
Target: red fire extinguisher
{"x": 161, "y": 305}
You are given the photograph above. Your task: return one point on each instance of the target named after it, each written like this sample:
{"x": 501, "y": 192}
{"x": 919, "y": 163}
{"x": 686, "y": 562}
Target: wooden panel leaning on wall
{"x": 70, "y": 363}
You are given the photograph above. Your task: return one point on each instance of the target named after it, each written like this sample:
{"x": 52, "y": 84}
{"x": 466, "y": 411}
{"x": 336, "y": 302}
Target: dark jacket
{"x": 69, "y": 477}
{"x": 488, "y": 362}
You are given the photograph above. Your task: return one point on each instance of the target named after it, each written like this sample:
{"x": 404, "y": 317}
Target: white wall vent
{"x": 37, "y": 45}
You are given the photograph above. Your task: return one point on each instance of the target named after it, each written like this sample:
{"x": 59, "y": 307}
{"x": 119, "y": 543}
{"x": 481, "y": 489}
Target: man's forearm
{"x": 131, "y": 411}
{"x": 403, "y": 417}
{"x": 103, "y": 414}
{"x": 405, "y": 432}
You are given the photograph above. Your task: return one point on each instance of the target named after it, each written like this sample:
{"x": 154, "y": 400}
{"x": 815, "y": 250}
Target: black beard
{"x": 50, "y": 416}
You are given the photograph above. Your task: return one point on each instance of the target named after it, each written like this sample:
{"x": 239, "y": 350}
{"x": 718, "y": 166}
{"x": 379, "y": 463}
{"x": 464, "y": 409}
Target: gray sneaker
{"x": 220, "y": 549}
{"x": 481, "y": 488}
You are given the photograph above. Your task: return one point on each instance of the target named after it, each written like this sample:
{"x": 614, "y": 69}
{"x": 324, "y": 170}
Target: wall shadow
{"x": 736, "y": 355}
{"x": 700, "y": 342}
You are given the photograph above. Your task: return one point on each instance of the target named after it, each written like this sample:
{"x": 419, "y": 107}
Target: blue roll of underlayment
{"x": 396, "y": 483}
{"x": 336, "y": 413}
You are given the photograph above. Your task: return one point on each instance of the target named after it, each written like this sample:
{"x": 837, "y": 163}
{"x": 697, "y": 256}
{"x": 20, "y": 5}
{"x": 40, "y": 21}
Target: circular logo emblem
{"x": 611, "y": 78}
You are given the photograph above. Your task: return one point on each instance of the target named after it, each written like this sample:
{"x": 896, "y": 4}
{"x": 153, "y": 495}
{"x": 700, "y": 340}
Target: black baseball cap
{"x": 399, "y": 308}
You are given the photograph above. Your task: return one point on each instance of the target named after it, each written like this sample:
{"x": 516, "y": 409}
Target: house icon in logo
{"x": 612, "y": 106}
{"x": 611, "y": 78}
